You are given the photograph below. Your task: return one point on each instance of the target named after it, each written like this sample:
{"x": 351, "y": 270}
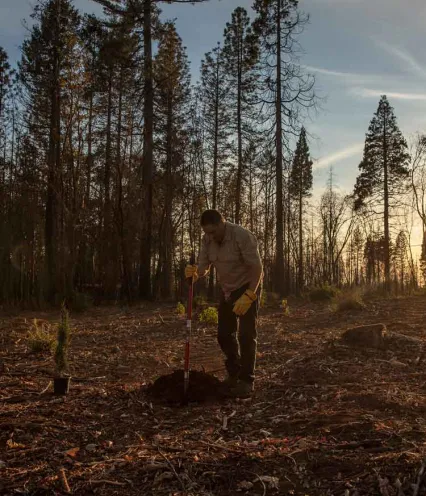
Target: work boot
{"x": 242, "y": 389}
{"x": 231, "y": 381}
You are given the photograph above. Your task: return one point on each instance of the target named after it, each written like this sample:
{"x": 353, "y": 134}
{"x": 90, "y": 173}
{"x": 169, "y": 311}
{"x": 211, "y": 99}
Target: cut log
{"x": 367, "y": 336}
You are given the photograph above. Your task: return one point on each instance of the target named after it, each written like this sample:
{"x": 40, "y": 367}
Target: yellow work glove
{"x": 244, "y": 302}
{"x": 191, "y": 272}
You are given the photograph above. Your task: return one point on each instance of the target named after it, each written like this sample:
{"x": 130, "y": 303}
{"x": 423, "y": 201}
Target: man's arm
{"x": 247, "y": 243}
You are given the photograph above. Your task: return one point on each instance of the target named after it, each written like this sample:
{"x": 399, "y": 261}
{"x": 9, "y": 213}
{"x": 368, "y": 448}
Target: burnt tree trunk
{"x": 386, "y": 210}
{"x": 239, "y": 139}
{"x": 279, "y": 277}
{"x": 53, "y": 177}
{"x": 145, "y": 290}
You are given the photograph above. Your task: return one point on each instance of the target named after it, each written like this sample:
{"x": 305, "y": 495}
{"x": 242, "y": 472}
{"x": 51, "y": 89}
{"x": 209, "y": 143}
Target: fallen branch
{"x": 225, "y": 420}
{"x": 110, "y": 482}
{"x": 420, "y": 477}
{"x": 46, "y": 388}
{"x": 64, "y": 481}
{"x": 170, "y": 464}
{"x": 162, "y": 320}
{"x": 263, "y": 484}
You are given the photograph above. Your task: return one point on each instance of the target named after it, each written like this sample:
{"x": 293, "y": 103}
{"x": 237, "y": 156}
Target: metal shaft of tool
{"x": 188, "y": 336}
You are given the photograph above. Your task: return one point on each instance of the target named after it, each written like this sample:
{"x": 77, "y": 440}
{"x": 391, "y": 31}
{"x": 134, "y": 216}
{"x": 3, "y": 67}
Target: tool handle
{"x": 191, "y": 290}
{"x": 188, "y": 334}
{"x": 190, "y": 299}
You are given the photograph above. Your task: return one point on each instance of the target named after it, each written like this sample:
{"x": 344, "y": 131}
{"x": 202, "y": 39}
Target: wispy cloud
{"x": 331, "y": 159}
{"x": 351, "y": 77}
{"x": 369, "y": 93}
{"x": 411, "y": 63}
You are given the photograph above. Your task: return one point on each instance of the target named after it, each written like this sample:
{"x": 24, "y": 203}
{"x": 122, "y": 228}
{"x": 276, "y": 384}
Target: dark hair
{"x": 211, "y": 217}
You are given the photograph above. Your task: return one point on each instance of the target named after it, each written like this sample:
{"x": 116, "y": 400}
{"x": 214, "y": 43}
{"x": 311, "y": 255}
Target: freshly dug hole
{"x": 202, "y": 387}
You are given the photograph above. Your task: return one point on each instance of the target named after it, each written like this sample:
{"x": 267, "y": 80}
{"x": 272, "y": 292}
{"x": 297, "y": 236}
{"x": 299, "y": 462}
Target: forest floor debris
{"x": 325, "y": 419}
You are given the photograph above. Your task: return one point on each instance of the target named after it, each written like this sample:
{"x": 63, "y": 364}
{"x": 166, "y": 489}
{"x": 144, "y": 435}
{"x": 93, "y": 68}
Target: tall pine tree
{"x": 300, "y": 187}
{"x": 286, "y": 92}
{"x": 240, "y": 53}
{"x": 213, "y": 96}
{"x": 213, "y": 93}
{"x": 144, "y": 13}
{"x": 47, "y": 57}
{"x": 383, "y": 171}
{"x": 172, "y": 94}
{"x": 6, "y": 233}
{"x": 5, "y": 86}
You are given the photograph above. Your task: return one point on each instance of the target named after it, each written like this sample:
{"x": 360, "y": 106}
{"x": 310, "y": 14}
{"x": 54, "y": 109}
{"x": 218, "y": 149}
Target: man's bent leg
{"x": 227, "y": 337}
{"x": 248, "y": 343}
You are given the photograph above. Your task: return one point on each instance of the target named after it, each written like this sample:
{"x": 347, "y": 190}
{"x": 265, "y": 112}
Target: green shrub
{"x": 40, "y": 338}
{"x": 350, "y": 300}
{"x": 62, "y": 343}
{"x": 209, "y": 315}
{"x": 180, "y": 308}
{"x": 323, "y": 293}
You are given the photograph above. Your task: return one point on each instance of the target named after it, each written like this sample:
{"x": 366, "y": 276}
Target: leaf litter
{"x": 325, "y": 419}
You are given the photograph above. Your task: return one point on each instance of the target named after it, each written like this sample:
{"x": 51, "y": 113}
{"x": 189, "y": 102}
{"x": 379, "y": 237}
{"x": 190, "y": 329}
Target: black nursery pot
{"x": 61, "y": 385}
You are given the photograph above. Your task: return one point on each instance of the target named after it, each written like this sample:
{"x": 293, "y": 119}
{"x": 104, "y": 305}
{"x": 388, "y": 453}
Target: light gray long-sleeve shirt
{"x": 236, "y": 259}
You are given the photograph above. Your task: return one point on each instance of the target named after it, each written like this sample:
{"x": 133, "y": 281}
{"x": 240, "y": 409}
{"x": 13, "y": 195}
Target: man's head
{"x": 213, "y": 224}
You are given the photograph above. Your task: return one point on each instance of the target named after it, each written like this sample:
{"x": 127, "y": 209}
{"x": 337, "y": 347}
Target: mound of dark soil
{"x": 202, "y": 388}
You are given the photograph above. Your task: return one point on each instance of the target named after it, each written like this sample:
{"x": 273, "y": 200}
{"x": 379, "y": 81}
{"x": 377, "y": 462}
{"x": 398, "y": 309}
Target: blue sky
{"x": 358, "y": 50}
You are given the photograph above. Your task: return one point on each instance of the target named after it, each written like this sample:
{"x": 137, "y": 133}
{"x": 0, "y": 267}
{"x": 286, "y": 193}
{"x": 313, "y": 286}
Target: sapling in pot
{"x": 62, "y": 379}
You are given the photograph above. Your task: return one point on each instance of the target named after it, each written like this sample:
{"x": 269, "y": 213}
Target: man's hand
{"x": 191, "y": 272}
{"x": 244, "y": 302}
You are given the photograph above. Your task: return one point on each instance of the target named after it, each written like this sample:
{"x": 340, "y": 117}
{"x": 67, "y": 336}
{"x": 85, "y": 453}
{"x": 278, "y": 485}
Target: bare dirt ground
{"x": 326, "y": 419}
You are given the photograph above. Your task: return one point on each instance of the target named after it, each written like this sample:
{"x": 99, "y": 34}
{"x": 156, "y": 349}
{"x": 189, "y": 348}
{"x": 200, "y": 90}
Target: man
{"x": 233, "y": 251}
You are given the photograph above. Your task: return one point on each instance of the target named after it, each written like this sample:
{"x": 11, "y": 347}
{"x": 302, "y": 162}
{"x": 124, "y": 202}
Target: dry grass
{"x": 350, "y": 300}
{"x": 41, "y": 337}
{"x": 323, "y": 293}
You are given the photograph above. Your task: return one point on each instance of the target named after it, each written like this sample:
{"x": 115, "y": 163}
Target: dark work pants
{"x": 237, "y": 336}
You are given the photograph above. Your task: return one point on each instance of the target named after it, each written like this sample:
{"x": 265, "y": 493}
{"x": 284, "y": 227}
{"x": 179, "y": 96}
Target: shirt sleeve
{"x": 247, "y": 244}
{"x": 203, "y": 259}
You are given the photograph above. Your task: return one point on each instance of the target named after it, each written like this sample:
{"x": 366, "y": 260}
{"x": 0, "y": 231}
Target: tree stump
{"x": 367, "y": 336}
